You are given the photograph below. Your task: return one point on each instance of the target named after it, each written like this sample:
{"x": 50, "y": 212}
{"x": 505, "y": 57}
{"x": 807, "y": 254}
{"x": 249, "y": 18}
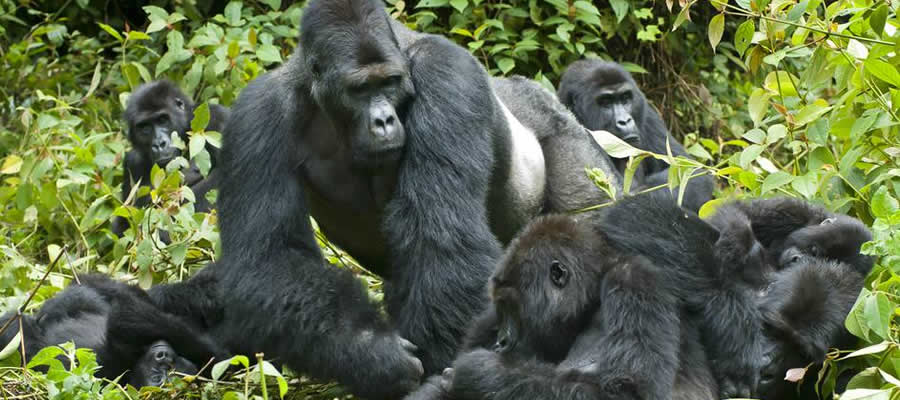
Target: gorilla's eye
{"x": 603, "y": 100}
{"x": 179, "y": 103}
{"x": 162, "y": 120}
{"x": 626, "y": 96}
{"x": 559, "y": 274}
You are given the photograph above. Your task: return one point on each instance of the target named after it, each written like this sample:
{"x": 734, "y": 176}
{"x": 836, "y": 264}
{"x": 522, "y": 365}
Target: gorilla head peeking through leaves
{"x": 155, "y": 111}
{"x": 604, "y": 96}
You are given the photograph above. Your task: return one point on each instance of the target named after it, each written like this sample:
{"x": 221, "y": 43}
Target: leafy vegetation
{"x": 774, "y": 97}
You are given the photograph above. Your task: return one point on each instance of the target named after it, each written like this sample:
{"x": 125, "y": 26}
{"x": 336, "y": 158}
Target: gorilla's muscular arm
{"x": 286, "y": 301}
{"x": 436, "y": 223}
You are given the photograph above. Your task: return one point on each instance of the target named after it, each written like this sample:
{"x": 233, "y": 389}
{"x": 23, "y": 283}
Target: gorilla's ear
{"x": 566, "y": 94}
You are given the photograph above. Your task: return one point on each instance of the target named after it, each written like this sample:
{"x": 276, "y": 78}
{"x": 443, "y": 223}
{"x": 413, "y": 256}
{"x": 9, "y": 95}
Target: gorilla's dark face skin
{"x": 154, "y": 367}
{"x": 153, "y": 113}
{"x": 609, "y": 100}
{"x": 544, "y": 291}
{"x": 361, "y": 82}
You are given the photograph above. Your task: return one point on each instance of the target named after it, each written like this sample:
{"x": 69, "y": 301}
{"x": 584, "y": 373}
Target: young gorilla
{"x": 399, "y": 147}
{"x": 604, "y": 96}
{"x": 800, "y": 273}
{"x": 140, "y": 335}
{"x": 576, "y": 314}
{"x": 154, "y": 111}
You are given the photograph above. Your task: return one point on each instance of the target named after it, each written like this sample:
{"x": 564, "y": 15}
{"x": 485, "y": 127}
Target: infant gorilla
{"x": 140, "y": 336}
{"x": 577, "y": 314}
{"x": 630, "y": 306}
{"x": 790, "y": 271}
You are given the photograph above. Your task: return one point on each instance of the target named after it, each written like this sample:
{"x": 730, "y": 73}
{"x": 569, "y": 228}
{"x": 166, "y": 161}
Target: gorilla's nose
{"x": 384, "y": 124}
{"x": 626, "y": 122}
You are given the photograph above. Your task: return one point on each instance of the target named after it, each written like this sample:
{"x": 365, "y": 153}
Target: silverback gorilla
{"x": 399, "y": 147}
{"x": 154, "y": 111}
{"x": 138, "y": 335}
{"x": 604, "y": 96}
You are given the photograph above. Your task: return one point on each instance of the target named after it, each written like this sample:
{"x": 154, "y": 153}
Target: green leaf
{"x": 775, "y": 133}
{"x": 196, "y": 144}
{"x": 13, "y": 345}
{"x": 273, "y": 4}
{"x": 806, "y": 185}
{"x": 811, "y": 112}
{"x": 111, "y": 31}
{"x": 883, "y": 205}
{"x": 506, "y": 64}
{"x": 268, "y": 53}
{"x": 459, "y": 5}
{"x": 775, "y": 181}
{"x": 755, "y": 135}
{"x": 781, "y": 82}
{"x": 716, "y": 28}
{"x": 798, "y": 10}
{"x": 744, "y": 36}
{"x": 884, "y": 71}
{"x": 878, "y": 311}
{"x": 233, "y": 13}
{"x": 750, "y": 154}
{"x": 878, "y": 19}
{"x": 620, "y": 8}
{"x": 758, "y": 105}
{"x": 201, "y": 117}
{"x": 432, "y": 3}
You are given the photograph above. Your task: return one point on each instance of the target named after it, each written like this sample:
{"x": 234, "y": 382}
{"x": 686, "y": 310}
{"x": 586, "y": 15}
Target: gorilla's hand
{"x": 475, "y": 374}
{"x": 738, "y": 378}
{"x": 399, "y": 370}
{"x": 436, "y": 387}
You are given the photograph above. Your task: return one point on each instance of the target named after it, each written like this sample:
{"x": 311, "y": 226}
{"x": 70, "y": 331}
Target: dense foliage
{"x": 774, "y": 97}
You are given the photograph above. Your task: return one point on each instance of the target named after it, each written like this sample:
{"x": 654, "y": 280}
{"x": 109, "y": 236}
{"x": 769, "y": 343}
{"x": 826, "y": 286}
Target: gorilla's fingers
{"x": 409, "y": 346}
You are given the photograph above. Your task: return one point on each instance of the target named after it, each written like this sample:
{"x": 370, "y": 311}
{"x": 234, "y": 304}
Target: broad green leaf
{"x": 615, "y": 147}
{"x": 758, "y": 105}
{"x": 883, "y": 204}
{"x": 620, "y": 8}
{"x": 233, "y": 13}
{"x": 755, "y": 135}
{"x": 13, "y": 345}
{"x": 111, "y": 31}
{"x": 459, "y": 5}
{"x": 878, "y": 19}
{"x": 716, "y": 28}
{"x": 743, "y": 36}
{"x": 781, "y": 82}
{"x": 873, "y": 349}
{"x": 811, "y": 112}
{"x": 196, "y": 144}
{"x": 12, "y": 164}
{"x": 797, "y": 11}
{"x": 806, "y": 185}
{"x": 775, "y": 181}
{"x": 878, "y": 311}
{"x": 273, "y": 4}
{"x": 750, "y": 154}
{"x": 775, "y": 133}
{"x": 506, "y": 64}
{"x": 201, "y": 117}
{"x": 268, "y": 54}
{"x": 709, "y": 208}
{"x": 432, "y": 3}
{"x": 884, "y": 71}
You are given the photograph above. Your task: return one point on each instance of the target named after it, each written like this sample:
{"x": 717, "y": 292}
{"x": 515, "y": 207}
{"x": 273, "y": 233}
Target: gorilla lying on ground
{"x": 605, "y": 97}
{"x": 135, "y": 334}
{"x": 399, "y": 147}
{"x": 154, "y": 111}
{"x": 578, "y": 314}
{"x": 800, "y": 271}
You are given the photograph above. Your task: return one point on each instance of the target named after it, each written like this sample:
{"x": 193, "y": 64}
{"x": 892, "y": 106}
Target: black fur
{"x": 604, "y": 96}
{"x": 611, "y": 326}
{"x": 133, "y": 334}
{"x": 395, "y": 142}
{"x": 790, "y": 271}
{"x": 154, "y": 111}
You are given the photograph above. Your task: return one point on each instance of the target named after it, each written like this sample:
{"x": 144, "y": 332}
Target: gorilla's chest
{"x": 348, "y": 204}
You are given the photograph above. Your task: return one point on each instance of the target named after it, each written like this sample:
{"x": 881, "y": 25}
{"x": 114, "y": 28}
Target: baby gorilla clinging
{"x": 572, "y": 317}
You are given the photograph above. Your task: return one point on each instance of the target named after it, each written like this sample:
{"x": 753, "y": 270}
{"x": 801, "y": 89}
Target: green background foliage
{"x": 773, "y": 97}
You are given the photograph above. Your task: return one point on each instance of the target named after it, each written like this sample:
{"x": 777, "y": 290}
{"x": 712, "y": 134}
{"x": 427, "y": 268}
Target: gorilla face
{"x": 614, "y": 105}
{"x": 360, "y": 80}
{"x": 545, "y": 288}
{"x": 153, "y": 113}
{"x": 154, "y": 367}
